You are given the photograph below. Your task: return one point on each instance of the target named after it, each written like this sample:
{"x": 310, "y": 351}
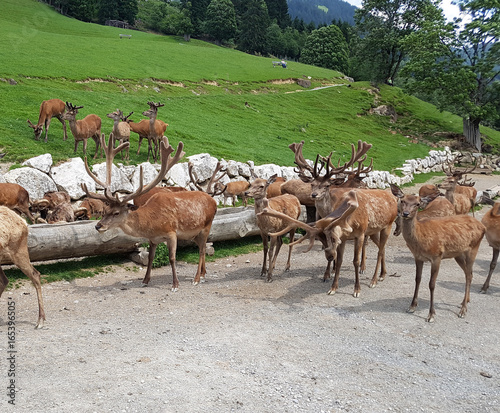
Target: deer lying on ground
{"x": 373, "y": 218}
{"x": 15, "y": 197}
{"x": 14, "y": 248}
{"x": 55, "y": 206}
{"x": 435, "y": 239}
{"x": 165, "y": 217}
{"x": 491, "y": 220}
{"x": 121, "y": 130}
{"x": 287, "y": 204}
{"x": 82, "y": 129}
{"x": 52, "y": 108}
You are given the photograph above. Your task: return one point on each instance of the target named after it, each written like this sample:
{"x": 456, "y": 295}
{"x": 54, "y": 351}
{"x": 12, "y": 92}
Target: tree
{"x": 275, "y": 41}
{"x": 278, "y": 10}
{"x": 125, "y": 10}
{"x": 381, "y": 25}
{"x": 254, "y": 24}
{"x": 459, "y": 64}
{"x": 220, "y": 20}
{"x": 326, "y": 47}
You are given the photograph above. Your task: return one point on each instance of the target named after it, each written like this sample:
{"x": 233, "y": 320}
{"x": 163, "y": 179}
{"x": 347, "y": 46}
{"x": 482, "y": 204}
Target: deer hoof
{"x": 195, "y": 282}
{"x": 430, "y": 319}
{"x": 331, "y": 292}
{"x": 356, "y": 294}
{"x": 144, "y": 284}
{"x": 174, "y": 289}
{"x": 411, "y": 310}
{"x": 373, "y": 284}
{"x": 269, "y": 280}
{"x": 39, "y": 325}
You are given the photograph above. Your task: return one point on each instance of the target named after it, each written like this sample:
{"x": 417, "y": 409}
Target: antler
{"x": 72, "y": 107}
{"x": 211, "y": 190}
{"x": 155, "y": 105}
{"x": 124, "y": 119}
{"x": 456, "y": 173}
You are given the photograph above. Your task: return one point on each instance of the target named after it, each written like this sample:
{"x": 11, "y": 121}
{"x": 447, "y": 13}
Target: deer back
{"x": 439, "y": 207}
{"x": 13, "y": 234}
{"x": 491, "y": 220}
{"x": 302, "y": 190}
{"x": 12, "y": 195}
{"x": 286, "y": 204}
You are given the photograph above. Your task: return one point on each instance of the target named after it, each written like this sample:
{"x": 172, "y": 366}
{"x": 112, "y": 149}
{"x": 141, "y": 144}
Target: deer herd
{"x": 340, "y": 208}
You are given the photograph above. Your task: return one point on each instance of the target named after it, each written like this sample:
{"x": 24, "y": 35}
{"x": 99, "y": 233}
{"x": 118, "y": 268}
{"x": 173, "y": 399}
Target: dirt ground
{"x": 237, "y": 343}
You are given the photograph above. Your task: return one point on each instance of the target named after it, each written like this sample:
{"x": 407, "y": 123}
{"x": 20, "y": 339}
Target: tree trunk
{"x": 471, "y": 133}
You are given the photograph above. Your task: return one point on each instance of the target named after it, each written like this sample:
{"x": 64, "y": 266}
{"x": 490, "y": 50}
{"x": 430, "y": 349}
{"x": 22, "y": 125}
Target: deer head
{"x": 214, "y": 186}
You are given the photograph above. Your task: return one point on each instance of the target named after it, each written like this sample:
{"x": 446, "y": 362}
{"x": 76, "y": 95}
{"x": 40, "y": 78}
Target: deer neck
{"x": 152, "y": 121}
{"x": 259, "y": 204}
{"x": 450, "y": 195}
{"x": 409, "y": 230}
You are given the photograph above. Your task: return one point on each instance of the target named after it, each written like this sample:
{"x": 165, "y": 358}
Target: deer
{"x": 94, "y": 208}
{"x": 233, "y": 190}
{"x": 373, "y": 218}
{"x": 435, "y": 239}
{"x": 14, "y": 248}
{"x": 155, "y": 130}
{"x": 15, "y": 197}
{"x": 82, "y": 129}
{"x": 287, "y": 204}
{"x": 165, "y": 217}
{"x": 211, "y": 188}
{"x": 462, "y": 195}
{"x": 275, "y": 188}
{"x": 52, "y": 108}
{"x": 491, "y": 220}
{"x": 121, "y": 130}
{"x": 142, "y": 199}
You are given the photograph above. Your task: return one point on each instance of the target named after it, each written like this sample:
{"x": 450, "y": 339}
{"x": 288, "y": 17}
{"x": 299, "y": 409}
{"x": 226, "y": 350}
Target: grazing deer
{"x": 435, "y": 239}
{"x": 287, "y": 204}
{"x": 491, "y": 220}
{"x": 88, "y": 127}
{"x": 156, "y": 129}
{"x": 52, "y": 108}
{"x": 373, "y": 218}
{"x": 165, "y": 217}
{"x": 14, "y": 248}
{"x": 121, "y": 130}
{"x": 15, "y": 197}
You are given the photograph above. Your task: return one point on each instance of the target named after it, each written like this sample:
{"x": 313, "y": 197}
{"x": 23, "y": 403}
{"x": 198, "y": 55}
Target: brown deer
{"x": 121, "y": 130}
{"x": 165, "y": 217}
{"x": 52, "y": 108}
{"x": 211, "y": 188}
{"x": 142, "y": 199}
{"x": 287, "y": 204}
{"x": 491, "y": 220}
{"x": 14, "y": 248}
{"x": 233, "y": 190}
{"x": 462, "y": 195}
{"x": 435, "y": 239}
{"x": 373, "y": 218}
{"x": 88, "y": 127}
{"x": 94, "y": 208}
{"x": 155, "y": 130}
{"x": 275, "y": 188}
{"x": 15, "y": 197}
{"x": 142, "y": 129}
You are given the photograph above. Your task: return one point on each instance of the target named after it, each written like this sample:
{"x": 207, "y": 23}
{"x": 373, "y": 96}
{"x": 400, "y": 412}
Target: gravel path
{"x": 237, "y": 343}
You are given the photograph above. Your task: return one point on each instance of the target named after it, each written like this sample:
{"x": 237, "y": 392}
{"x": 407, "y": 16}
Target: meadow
{"x": 217, "y": 100}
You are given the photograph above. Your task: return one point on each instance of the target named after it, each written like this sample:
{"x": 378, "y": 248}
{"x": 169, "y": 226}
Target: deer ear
{"x": 396, "y": 191}
{"x": 132, "y": 207}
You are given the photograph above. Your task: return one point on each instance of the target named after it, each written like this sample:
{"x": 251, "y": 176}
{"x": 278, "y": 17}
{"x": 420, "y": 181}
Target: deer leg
{"x": 432, "y": 285}
{"x": 22, "y": 260}
{"x": 201, "y": 241}
{"x": 151, "y": 257}
{"x": 274, "y": 249}
{"x": 76, "y": 145}
{"x": 172, "y": 249}
{"x": 465, "y": 261}
{"x": 493, "y": 264}
{"x": 139, "y": 148}
{"x": 265, "y": 242}
{"x": 96, "y": 140}
{"x": 382, "y": 241}
{"x": 47, "y": 124}
{"x": 4, "y": 281}
{"x": 358, "y": 246}
{"x": 338, "y": 264}
{"x": 291, "y": 236}
{"x": 64, "y": 126}
{"x": 418, "y": 277}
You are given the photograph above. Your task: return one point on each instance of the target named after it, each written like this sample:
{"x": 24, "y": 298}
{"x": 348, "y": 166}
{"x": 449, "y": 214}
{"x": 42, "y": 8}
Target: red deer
{"x": 88, "y": 127}
{"x": 462, "y": 195}
{"x": 142, "y": 199}
{"x": 165, "y": 217}
{"x": 435, "y": 239}
{"x": 14, "y": 248}
{"x": 142, "y": 129}
{"x": 94, "y": 208}
{"x": 121, "y": 130}
{"x": 155, "y": 130}
{"x": 53, "y": 108}
{"x": 275, "y": 188}
{"x": 15, "y": 197}
{"x": 287, "y": 204}
{"x": 373, "y": 218}
{"x": 233, "y": 190}
{"x": 211, "y": 188}
{"x": 491, "y": 220}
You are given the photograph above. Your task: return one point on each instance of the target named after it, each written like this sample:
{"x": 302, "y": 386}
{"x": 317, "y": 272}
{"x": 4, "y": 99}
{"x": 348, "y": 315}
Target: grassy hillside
{"x": 217, "y": 100}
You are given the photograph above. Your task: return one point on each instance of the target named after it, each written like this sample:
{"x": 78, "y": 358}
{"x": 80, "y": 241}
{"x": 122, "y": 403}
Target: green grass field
{"x": 204, "y": 88}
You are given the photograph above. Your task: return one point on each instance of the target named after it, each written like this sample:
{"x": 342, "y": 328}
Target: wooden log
{"x": 81, "y": 239}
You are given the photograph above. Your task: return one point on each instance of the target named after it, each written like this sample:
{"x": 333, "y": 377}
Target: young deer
{"x": 88, "y": 127}
{"x": 121, "y": 130}
{"x": 155, "y": 131}
{"x": 287, "y": 204}
{"x": 53, "y": 108}
{"x": 165, "y": 217}
{"x": 14, "y": 248}
{"x": 435, "y": 239}
{"x": 491, "y": 220}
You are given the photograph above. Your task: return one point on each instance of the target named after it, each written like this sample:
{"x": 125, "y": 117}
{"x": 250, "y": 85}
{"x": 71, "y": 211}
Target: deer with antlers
{"x": 52, "y": 108}
{"x": 435, "y": 239}
{"x": 211, "y": 188}
{"x": 286, "y": 204}
{"x": 461, "y": 194}
{"x": 88, "y": 127}
{"x": 165, "y": 217}
{"x": 156, "y": 129}
{"x": 373, "y": 218}
{"x": 121, "y": 130}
